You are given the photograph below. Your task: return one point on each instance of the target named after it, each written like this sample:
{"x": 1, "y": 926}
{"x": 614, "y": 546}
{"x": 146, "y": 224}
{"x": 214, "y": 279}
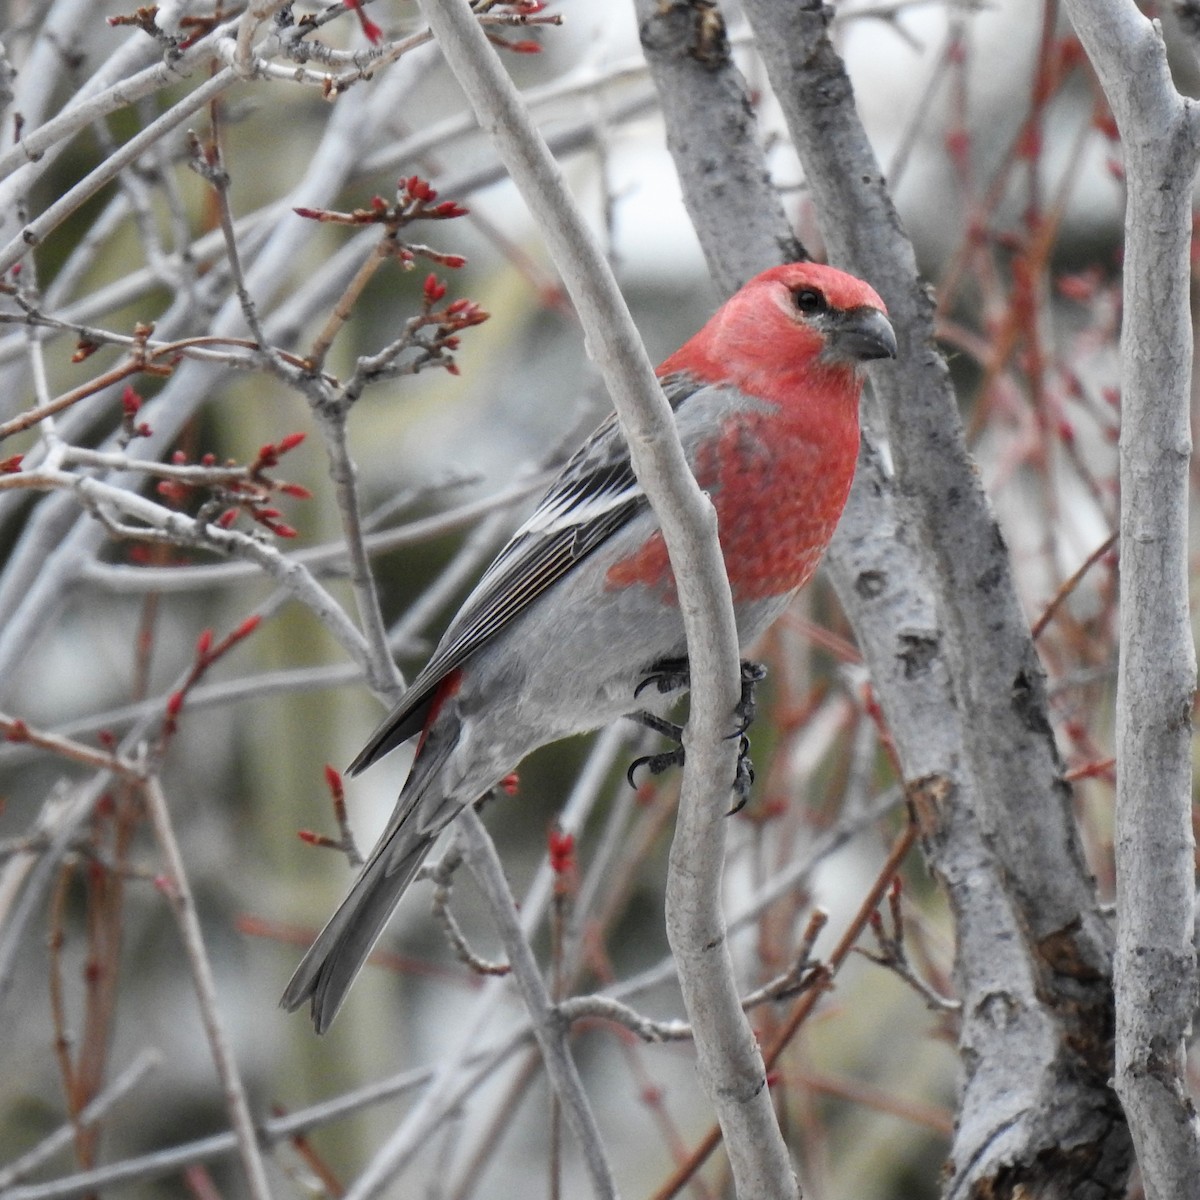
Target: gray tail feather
{"x": 334, "y": 960}
{"x": 329, "y": 968}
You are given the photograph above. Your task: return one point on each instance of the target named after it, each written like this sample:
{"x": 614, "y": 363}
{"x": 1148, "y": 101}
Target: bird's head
{"x": 786, "y": 326}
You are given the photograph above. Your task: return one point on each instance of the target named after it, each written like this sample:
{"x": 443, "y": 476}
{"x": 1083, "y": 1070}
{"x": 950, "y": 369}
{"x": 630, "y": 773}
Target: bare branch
{"x": 145, "y": 1061}
{"x": 179, "y": 894}
{"x": 725, "y": 1045}
{"x": 484, "y": 862}
{"x": 1155, "y": 969}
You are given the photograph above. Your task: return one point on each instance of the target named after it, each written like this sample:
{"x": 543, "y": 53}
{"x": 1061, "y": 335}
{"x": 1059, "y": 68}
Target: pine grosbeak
{"x": 580, "y": 608}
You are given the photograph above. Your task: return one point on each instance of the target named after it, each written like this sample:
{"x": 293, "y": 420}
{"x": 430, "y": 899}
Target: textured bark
{"x": 1155, "y": 850}
{"x": 1021, "y": 802}
{"x": 1033, "y": 961}
{"x": 731, "y": 1065}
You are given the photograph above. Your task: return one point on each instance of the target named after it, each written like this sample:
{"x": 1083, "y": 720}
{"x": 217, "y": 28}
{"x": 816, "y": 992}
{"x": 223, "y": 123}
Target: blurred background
{"x": 1002, "y": 159}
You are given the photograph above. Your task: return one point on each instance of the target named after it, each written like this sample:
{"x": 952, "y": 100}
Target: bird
{"x": 578, "y": 613}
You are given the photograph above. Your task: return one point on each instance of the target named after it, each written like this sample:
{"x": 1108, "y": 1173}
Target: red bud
{"x": 562, "y": 851}
{"x": 246, "y": 628}
{"x": 333, "y": 781}
{"x": 434, "y": 288}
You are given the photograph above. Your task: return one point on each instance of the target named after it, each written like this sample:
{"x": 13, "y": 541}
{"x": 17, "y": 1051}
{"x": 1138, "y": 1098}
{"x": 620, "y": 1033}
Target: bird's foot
{"x": 673, "y": 674}
{"x": 752, "y": 674}
{"x": 666, "y": 675}
{"x": 656, "y": 764}
{"x": 743, "y": 779}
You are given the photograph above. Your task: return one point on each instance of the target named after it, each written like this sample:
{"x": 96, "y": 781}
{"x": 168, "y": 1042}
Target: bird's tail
{"x": 334, "y": 960}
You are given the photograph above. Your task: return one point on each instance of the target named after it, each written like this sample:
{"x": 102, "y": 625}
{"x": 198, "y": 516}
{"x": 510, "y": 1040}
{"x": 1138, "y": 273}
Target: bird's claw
{"x": 671, "y": 674}
{"x": 743, "y": 779}
{"x": 667, "y": 675}
{"x": 752, "y": 674}
{"x": 656, "y": 764}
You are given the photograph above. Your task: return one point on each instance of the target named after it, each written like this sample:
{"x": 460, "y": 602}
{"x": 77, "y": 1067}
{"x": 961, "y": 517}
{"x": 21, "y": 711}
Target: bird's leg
{"x": 669, "y": 674}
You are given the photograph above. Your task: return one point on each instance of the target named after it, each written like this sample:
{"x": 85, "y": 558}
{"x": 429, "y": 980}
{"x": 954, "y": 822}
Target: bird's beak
{"x": 859, "y": 335}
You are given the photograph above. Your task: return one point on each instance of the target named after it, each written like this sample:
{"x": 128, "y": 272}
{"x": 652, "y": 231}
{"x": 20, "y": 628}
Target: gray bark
{"x": 1155, "y": 967}
{"x": 731, "y": 1065}
{"x": 1033, "y": 951}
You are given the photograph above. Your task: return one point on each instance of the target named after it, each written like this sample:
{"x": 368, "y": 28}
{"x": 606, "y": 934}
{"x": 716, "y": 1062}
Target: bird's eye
{"x": 809, "y": 300}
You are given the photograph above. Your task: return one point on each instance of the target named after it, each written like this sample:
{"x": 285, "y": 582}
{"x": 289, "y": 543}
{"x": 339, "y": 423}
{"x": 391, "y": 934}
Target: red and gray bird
{"x": 579, "y": 609}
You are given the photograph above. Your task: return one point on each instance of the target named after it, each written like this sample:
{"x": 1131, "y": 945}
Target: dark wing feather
{"x": 594, "y": 496}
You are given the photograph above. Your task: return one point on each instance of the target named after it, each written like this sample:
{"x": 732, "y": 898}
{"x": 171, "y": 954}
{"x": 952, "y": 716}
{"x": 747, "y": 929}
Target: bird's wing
{"x": 594, "y": 495}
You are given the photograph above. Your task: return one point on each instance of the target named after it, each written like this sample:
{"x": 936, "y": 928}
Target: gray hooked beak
{"x": 859, "y": 335}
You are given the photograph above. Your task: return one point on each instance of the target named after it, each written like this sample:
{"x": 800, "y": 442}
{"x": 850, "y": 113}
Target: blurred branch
{"x": 324, "y": 559}
{"x": 16, "y": 731}
{"x": 36, "y": 230}
{"x": 178, "y": 892}
{"x": 478, "y": 1065}
{"x": 174, "y": 528}
{"x": 145, "y": 1061}
{"x": 273, "y": 1130}
{"x": 213, "y": 695}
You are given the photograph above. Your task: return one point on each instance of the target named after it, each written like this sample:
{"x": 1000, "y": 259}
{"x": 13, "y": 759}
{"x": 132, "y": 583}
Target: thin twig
{"x": 146, "y": 1060}
{"x": 804, "y": 1006}
{"x": 179, "y": 895}
{"x": 15, "y": 730}
{"x": 485, "y": 865}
